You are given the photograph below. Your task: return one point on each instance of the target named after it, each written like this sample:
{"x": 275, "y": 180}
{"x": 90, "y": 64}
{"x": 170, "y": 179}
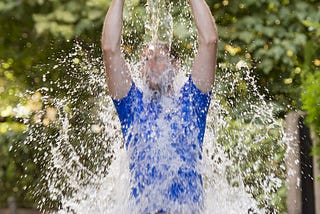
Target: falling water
{"x": 86, "y": 165}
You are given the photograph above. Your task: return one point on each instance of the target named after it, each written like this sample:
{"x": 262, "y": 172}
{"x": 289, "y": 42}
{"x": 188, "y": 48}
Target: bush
{"x": 311, "y": 103}
{"x": 18, "y": 172}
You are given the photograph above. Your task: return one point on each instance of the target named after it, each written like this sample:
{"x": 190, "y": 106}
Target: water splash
{"x": 159, "y": 25}
{"x": 86, "y": 164}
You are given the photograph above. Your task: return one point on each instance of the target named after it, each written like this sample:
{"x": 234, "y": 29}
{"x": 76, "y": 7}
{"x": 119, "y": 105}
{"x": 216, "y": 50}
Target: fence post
{"x": 300, "y": 166}
{"x": 294, "y": 205}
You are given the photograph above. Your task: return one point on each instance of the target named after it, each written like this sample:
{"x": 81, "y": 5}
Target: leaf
{"x": 82, "y": 26}
{"x": 246, "y": 36}
{"x": 95, "y": 14}
{"x": 5, "y": 7}
{"x": 41, "y": 27}
{"x": 266, "y": 65}
{"x": 309, "y": 52}
{"x": 41, "y": 2}
{"x": 269, "y": 31}
{"x": 39, "y": 18}
{"x": 284, "y": 13}
{"x": 276, "y": 52}
{"x": 65, "y": 30}
{"x": 311, "y": 24}
{"x": 65, "y": 16}
{"x": 300, "y": 39}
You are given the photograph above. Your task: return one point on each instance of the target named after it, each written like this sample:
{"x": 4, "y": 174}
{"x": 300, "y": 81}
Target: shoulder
{"x": 133, "y": 93}
{"x": 190, "y": 87}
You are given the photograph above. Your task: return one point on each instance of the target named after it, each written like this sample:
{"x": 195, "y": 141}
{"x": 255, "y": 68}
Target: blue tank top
{"x": 164, "y": 138}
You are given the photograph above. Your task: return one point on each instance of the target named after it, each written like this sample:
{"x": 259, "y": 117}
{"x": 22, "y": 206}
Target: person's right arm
{"x": 118, "y": 76}
{"x": 204, "y": 66}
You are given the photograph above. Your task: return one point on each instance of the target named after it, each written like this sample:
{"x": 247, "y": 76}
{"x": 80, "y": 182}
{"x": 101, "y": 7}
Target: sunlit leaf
{"x": 95, "y": 14}
{"x": 65, "y": 16}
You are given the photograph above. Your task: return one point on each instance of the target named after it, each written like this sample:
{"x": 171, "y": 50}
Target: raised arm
{"x": 118, "y": 76}
{"x": 203, "y": 71}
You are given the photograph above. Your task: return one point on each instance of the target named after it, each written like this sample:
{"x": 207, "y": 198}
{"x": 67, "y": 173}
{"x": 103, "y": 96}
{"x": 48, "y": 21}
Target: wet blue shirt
{"x": 164, "y": 138}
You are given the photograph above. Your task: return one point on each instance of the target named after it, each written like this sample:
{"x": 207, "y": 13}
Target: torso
{"x": 164, "y": 139}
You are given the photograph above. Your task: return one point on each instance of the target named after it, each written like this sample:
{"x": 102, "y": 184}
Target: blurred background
{"x": 277, "y": 39}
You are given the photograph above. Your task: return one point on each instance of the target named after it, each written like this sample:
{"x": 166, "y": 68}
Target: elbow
{"x": 110, "y": 48}
{"x": 210, "y": 41}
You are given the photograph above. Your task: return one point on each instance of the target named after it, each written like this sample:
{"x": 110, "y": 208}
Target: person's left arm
{"x": 203, "y": 70}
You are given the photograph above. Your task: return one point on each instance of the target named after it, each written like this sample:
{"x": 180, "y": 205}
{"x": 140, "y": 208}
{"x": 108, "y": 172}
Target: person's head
{"x": 158, "y": 68}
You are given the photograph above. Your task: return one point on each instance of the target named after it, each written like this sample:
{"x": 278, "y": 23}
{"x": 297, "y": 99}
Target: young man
{"x": 163, "y": 130}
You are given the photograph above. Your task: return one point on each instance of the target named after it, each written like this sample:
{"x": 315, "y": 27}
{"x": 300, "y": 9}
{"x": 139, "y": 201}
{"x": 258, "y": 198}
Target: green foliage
{"x": 310, "y": 95}
{"x": 270, "y": 36}
{"x": 18, "y": 173}
{"x": 252, "y": 139}
{"x": 311, "y": 103}
{"x": 260, "y": 161}
{"x": 69, "y": 19}
{"x": 8, "y": 89}
{"x": 25, "y": 58}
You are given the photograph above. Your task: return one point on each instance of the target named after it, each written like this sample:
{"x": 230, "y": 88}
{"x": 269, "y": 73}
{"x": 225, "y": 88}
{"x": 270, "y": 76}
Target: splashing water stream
{"x": 87, "y": 165}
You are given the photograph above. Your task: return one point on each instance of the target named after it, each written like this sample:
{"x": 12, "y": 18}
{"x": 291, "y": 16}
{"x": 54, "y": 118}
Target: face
{"x": 157, "y": 69}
